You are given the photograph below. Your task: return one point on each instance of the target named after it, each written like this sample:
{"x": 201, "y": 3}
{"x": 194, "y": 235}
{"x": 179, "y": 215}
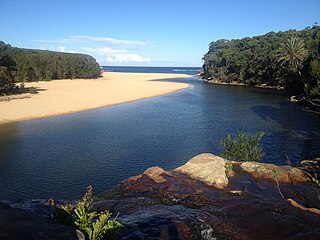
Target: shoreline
{"x": 235, "y": 83}
{"x": 65, "y": 96}
{"x": 307, "y": 106}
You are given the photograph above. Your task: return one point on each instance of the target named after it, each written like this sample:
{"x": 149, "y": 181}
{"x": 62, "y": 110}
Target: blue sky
{"x": 146, "y": 32}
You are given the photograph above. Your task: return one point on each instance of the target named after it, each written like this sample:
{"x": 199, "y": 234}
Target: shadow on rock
{"x": 173, "y": 205}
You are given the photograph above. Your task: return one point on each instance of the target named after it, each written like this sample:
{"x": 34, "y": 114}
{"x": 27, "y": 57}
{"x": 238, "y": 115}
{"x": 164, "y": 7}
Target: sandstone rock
{"x": 294, "y": 99}
{"x": 147, "y": 180}
{"x": 154, "y": 173}
{"x": 171, "y": 205}
{"x": 208, "y": 168}
{"x": 284, "y": 174}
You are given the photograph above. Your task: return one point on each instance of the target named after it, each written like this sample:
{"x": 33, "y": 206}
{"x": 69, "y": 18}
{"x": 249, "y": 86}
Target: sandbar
{"x": 59, "y": 97}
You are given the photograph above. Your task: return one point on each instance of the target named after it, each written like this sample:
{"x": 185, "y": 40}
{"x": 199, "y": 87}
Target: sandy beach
{"x": 69, "y": 96}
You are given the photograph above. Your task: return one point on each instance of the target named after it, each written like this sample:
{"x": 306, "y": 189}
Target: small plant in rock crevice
{"x": 92, "y": 225}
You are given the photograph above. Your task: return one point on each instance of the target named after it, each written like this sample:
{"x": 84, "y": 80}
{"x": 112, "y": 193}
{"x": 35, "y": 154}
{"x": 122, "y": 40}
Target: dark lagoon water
{"x": 59, "y": 156}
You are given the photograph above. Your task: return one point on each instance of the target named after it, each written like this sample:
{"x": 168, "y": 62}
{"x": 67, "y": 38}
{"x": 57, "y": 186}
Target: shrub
{"x": 242, "y": 147}
{"x": 92, "y": 225}
{"x": 32, "y": 90}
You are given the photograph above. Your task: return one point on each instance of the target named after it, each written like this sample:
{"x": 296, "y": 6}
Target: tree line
{"x": 289, "y": 59}
{"x": 26, "y": 65}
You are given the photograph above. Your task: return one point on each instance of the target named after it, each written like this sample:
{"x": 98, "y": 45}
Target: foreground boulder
{"x": 213, "y": 198}
{"x": 207, "y": 198}
{"x": 207, "y": 168}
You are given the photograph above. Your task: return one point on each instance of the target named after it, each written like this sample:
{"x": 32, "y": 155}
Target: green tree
{"x": 292, "y": 53}
{"x": 37, "y": 65}
{"x": 7, "y": 70}
{"x": 254, "y": 61}
{"x": 242, "y": 147}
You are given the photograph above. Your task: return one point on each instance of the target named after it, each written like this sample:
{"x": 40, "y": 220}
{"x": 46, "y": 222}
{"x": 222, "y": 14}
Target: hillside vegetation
{"x": 289, "y": 59}
{"x": 26, "y": 65}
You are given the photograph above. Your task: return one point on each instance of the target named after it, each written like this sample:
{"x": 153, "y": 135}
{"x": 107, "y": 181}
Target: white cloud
{"x": 127, "y": 58}
{"x": 109, "y": 59}
{"x": 57, "y": 49}
{"x": 62, "y": 49}
{"x": 110, "y": 50}
{"x": 112, "y": 55}
{"x": 94, "y": 39}
{"x": 105, "y": 40}
{"x": 103, "y": 50}
{"x": 54, "y": 41}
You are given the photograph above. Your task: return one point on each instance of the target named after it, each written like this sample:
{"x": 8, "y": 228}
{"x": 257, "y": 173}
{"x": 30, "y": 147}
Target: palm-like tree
{"x": 292, "y": 53}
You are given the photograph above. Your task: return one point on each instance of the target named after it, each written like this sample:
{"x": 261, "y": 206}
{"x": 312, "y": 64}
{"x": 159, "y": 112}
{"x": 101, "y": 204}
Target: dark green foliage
{"x": 37, "y": 65}
{"x": 242, "y": 147}
{"x": 313, "y": 68}
{"x": 32, "y": 90}
{"x": 7, "y": 70}
{"x": 263, "y": 60}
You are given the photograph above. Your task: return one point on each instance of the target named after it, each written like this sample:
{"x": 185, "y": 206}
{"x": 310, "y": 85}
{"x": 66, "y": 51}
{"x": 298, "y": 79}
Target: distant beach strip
{"x": 69, "y": 96}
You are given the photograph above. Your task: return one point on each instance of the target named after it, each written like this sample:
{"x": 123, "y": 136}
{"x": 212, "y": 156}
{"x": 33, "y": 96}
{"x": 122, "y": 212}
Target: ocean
{"x": 173, "y": 70}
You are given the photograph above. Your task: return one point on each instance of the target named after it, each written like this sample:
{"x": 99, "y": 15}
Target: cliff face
{"x": 212, "y": 198}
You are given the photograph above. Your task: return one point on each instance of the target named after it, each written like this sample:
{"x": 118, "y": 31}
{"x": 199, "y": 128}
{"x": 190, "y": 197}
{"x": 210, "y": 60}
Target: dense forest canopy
{"x": 25, "y": 65}
{"x": 289, "y": 59}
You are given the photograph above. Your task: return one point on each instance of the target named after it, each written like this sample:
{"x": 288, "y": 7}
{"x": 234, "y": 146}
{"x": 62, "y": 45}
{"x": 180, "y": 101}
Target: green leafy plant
{"x": 292, "y": 53}
{"x": 243, "y": 147}
{"x": 92, "y": 225}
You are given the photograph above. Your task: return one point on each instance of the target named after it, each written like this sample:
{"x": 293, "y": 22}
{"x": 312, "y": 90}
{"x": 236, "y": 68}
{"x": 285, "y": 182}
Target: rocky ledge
{"x": 213, "y": 198}
{"x": 304, "y": 101}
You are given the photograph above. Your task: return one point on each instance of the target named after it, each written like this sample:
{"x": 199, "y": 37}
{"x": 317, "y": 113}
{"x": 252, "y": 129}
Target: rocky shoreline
{"x": 301, "y": 100}
{"x": 207, "y": 198}
{"x": 313, "y": 106}
{"x": 236, "y": 83}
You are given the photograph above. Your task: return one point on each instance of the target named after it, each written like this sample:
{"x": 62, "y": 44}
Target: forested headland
{"x": 27, "y": 65}
{"x": 289, "y": 59}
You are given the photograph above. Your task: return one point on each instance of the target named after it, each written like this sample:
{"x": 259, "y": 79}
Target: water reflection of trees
{"x": 298, "y": 128}
{"x": 8, "y": 144}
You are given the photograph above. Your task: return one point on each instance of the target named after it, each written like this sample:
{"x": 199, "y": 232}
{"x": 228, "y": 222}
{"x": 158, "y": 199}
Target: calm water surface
{"x": 59, "y": 156}
{"x": 173, "y": 70}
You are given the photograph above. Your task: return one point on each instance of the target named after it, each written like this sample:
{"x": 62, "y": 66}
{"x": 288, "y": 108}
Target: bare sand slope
{"x": 69, "y": 96}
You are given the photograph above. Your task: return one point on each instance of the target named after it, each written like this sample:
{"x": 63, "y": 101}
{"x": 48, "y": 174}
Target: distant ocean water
{"x": 173, "y": 70}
